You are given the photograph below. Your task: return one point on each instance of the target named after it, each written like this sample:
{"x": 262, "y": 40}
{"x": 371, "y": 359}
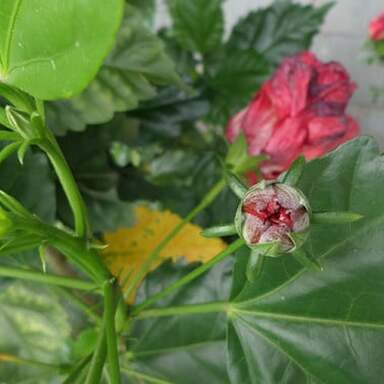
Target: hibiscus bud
{"x": 376, "y": 28}
{"x": 275, "y": 215}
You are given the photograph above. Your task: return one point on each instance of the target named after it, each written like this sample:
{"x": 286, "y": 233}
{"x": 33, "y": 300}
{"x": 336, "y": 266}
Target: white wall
{"x": 341, "y": 39}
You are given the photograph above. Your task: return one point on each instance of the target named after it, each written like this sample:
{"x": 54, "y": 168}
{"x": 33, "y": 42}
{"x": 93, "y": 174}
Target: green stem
{"x": 144, "y": 377}
{"x": 207, "y": 200}
{"x": 77, "y": 370}
{"x": 190, "y": 276}
{"x": 112, "y": 349}
{"x": 69, "y": 185}
{"x": 44, "y": 278}
{"x": 184, "y": 310}
{"x": 98, "y": 358}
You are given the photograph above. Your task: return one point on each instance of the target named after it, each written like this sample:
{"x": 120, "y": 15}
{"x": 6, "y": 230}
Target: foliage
{"x": 139, "y": 119}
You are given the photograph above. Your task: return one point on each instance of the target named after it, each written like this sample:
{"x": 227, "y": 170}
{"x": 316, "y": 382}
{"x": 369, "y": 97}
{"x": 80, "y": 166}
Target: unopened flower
{"x": 376, "y": 28}
{"x": 273, "y": 213}
{"x": 300, "y": 110}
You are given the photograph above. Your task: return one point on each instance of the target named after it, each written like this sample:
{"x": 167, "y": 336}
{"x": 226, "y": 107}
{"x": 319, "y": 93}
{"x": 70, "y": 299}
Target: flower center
{"x": 273, "y": 213}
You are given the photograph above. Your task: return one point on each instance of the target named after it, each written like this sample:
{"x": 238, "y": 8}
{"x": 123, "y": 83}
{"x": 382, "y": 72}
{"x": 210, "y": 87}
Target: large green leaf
{"x": 282, "y": 29}
{"x": 173, "y": 348}
{"x": 33, "y": 326}
{"x": 136, "y": 63}
{"x": 53, "y": 49}
{"x": 199, "y": 24}
{"x": 298, "y": 326}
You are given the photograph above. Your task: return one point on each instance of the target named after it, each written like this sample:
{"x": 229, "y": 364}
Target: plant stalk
{"x": 207, "y": 200}
{"x": 62, "y": 281}
{"x": 190, "y": 276}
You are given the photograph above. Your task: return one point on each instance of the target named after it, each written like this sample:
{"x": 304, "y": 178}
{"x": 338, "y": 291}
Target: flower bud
{"x": 273, "y": 217}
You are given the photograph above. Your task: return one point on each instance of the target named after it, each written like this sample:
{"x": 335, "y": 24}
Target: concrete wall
{"x": 342, "y": 38}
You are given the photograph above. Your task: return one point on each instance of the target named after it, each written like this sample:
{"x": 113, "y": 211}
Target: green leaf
{"x": 198, "y": 25}
{"x": 88, "y": 157}
{"x": 282, "y": 29}
{"x": 53, "y": 49}
{"x": 170, "y": 348}
{"x": 137, "y": 62}
{"x": 294, "y": 325}
{"x": 31, "y": 184}
{"x": 237, "y": 77}
{"x": 33, "y": 326}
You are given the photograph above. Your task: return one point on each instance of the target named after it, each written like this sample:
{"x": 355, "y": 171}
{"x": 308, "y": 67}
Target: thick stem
{"x": 190, "y": 276}
{"x": 184, "y": 310}
{"x": 109, "y": 315}
{"x": 69, "y": 186}
{"x": 207, "y": 200}
{"x": 62, "y": 281}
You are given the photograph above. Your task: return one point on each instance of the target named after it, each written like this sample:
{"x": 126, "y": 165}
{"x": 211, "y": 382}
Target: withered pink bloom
{"x": 301, "y": 109}
{"x": 272, "y": 212}
{"x": 376, "y": 28}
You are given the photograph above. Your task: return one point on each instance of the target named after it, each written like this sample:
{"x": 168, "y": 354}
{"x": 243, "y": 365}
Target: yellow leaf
{"x": 128, "y": 248}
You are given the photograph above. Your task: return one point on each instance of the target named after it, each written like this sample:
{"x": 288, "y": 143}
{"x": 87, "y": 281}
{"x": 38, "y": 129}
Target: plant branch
{"x": 69, "y": 185}
{"x": 190, "y": 276}
{"x": 207, "y": 200}
{"x": 98, "y": 358}
{"x": 109, "y": 316}
{"x": 68, "y": 282}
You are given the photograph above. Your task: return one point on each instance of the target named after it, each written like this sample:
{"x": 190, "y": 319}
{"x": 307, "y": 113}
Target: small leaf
{"x": 199, "y": 24}
{"x": 236, "y": 185}
{"x": 280, "y": 30}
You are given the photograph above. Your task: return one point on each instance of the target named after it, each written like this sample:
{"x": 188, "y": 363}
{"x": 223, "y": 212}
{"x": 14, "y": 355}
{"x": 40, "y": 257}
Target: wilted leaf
{"x": 128, "y": 248}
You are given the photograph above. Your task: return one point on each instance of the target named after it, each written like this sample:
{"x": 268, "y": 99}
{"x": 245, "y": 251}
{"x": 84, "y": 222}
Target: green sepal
{"x": 298, "y": 239}
{"x": 24, "y": 148}
{"x": 238, "y": 160}
{"x": 236, "y": 185}
{"x": 302, "y": 257}
{"x": 13, "y": 205}
{"x": 271, "y": 249}
{"x": 19, "y": 122}
{"x": 42, "y": 256}
{"x": 19, "y": 99}
{"x": 342, "y": 217}
{"x": 8, "y": 150}
{"x": 292, "y": 176}
{"x": 219, "y": 231}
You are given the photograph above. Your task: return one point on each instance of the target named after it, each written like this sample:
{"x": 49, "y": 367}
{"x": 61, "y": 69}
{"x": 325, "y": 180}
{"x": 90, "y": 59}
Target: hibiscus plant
{"x": 184, "y": 205}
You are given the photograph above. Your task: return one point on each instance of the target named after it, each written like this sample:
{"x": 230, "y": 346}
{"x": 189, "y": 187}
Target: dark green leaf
{"x": 237, "y": 78}
{"x": 199, "y": 24}
{"x": 282, "y": 29}
{"x": 31, "y": 184}
{"x": 172, "y": 347}
{"x": 88, "y": 156}
{"x": 59, "y": 60}
{"x": 294, "y": 325}
{"x": 136, "y": 63}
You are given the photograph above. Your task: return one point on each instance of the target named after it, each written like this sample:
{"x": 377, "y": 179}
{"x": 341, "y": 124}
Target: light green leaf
{"x": 53, "y": 49}
{"x": 199, "y": 24}
{"x": 136, "y": 64}
{"x": 280, "y": 30}
{"x": 186, "y": 344}
{"x": 33, "y": 326}
{"x": 294, "y": 325}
